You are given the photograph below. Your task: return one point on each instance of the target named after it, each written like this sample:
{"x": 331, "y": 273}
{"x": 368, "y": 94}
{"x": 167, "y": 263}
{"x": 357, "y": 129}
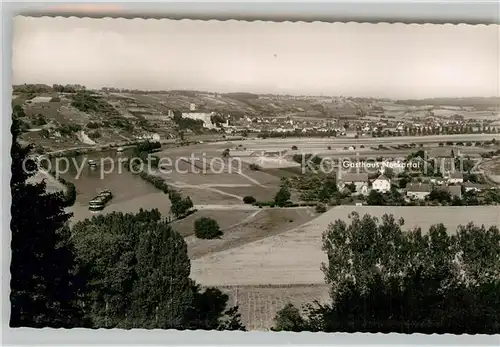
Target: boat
{"x": 119, "y": 149}
{"x": 92, "y": 163}
{"x": 99, "y": 202}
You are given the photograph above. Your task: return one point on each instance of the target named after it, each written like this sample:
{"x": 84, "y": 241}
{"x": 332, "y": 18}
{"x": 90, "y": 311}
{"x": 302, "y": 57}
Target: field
{"x": 258, "y": 305}
{"x": 226, "y": 219}
{"x": 264, "y": 275}
{"x": 257, "y": 225}
{"x": 294, "y": 257}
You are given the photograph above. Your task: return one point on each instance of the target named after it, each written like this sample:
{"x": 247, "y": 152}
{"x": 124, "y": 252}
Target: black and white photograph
{"x": 255, "y": 176}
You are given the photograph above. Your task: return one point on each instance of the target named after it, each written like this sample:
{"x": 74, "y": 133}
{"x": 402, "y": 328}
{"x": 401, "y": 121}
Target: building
{"x": 206, "y": 118}
{"x": 418, "y": 190}
{"x": 455, "y": 177}
{"x": 149, "y": 137}
{"x": 382, "y": 184}
{"x": 360, "y": 181}
{"x": 438, "y": 180}
{"x": 476, "y": 187}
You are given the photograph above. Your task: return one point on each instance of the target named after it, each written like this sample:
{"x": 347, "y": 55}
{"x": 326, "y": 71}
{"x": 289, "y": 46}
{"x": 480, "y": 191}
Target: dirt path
{"x": 242, "y": 207}
{"x": 202, "y": 187}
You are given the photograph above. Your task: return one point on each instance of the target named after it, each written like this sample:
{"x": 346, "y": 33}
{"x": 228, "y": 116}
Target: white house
{"x": 418, "y": 190}
{"x": 360, "y": 181}
{"x": 382, "y": 184}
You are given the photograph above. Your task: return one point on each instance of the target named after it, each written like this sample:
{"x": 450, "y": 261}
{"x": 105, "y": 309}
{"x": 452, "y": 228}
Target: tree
{"x": 389, "y": 173}
{"x": 403, "y": 182}
{"x": 289, "y": 319}
{"x": 39, "y": 120}
{"x": 163, "y": 292}
{"x": 375, "y": 198}
{"x": 352, "y": 187}
{"x": 282, "y": 196}
{"x": 320, "y": 208}
{"x": 249, "y": 199}
{"x": 18, "y": 111}
{"x": 180, "y": 206}
{"x": 208, "y": 311}
{"x": 138, "y": 274}
{"x": 439, "y": 195}
{"x": 207, "y": 228}
{"x": 45, "y": 286}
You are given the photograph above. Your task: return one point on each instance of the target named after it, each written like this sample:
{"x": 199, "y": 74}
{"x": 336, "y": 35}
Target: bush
{"x": 282, "y": 196}
{"x": 92, "y": 125}
{"x": 249, "y": 199}
{"x": 320, "y": 208}
{"x": 39, "y": 120}
{"x": 207, "y": 228}
{"x": 95, "y": 134}
{"x": 254, "y": 167}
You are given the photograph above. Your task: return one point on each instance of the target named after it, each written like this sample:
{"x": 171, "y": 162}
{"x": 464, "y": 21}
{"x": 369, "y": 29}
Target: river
{"x": 130, "y": 192}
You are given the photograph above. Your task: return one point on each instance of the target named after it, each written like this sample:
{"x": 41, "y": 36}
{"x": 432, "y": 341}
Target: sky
{"x": 349, "y": 59}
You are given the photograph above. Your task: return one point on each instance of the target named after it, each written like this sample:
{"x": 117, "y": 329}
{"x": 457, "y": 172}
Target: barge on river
{"x": 99, "y": 202}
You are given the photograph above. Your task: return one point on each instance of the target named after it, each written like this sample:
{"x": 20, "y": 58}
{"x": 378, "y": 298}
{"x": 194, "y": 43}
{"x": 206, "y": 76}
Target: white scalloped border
{"x": 314, "y": 21}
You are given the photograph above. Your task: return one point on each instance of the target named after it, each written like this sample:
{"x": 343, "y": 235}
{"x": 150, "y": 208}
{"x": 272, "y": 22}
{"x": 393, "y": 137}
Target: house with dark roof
{"x": 476, "y": 187}
{"x": 455, "y": 177}
{"x": 360, "y": 181}
{"x": 418, "y": 190}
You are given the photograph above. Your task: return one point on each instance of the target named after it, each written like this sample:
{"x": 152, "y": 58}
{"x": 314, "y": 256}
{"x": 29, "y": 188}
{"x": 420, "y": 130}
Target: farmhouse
{"x": 360, "y": 181}
{"x": 382, "y": 184}
{"x": 418, "y": 190}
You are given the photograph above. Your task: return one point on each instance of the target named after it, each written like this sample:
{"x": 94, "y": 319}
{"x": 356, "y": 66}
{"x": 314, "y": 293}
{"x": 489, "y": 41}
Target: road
{"x": 489, "y": 176}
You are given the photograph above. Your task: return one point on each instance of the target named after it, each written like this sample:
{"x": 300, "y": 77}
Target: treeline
{"x": 181, "y": 206}
{"x": 111, "y": 271}
{"x": 383, "y": 279}
{"x": 241, "y": 96}
{"x": 299, "y": 133}
{"x": 478, "y": 102}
